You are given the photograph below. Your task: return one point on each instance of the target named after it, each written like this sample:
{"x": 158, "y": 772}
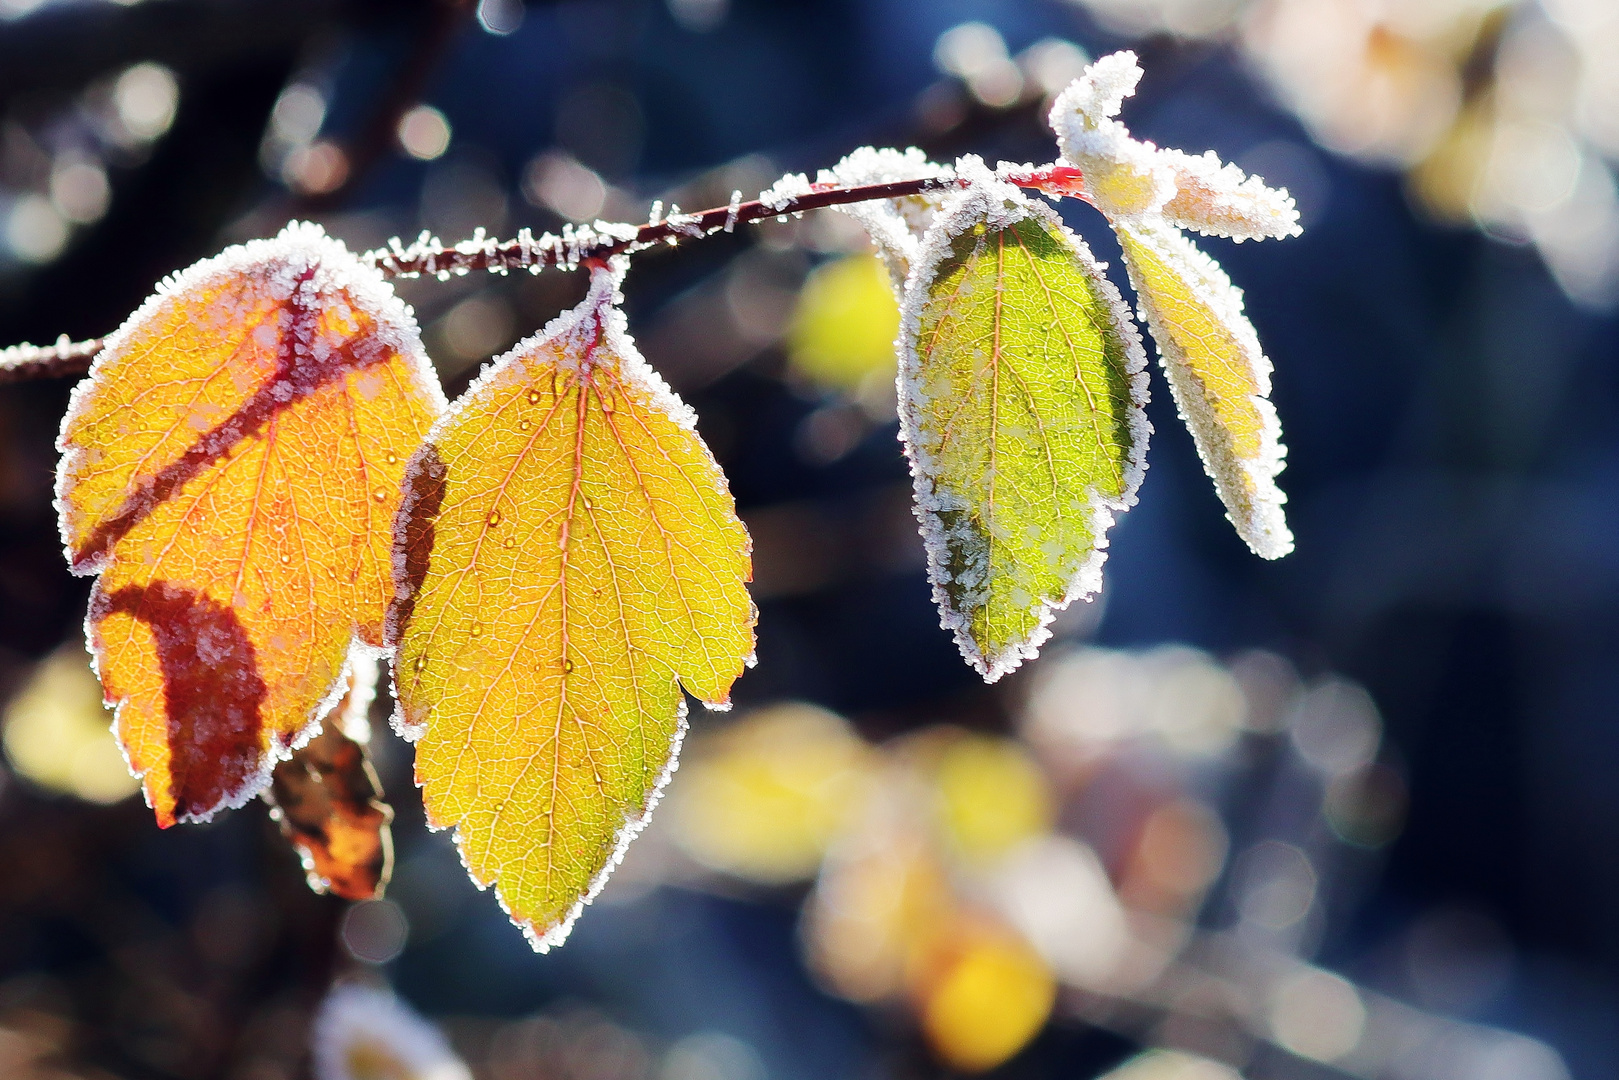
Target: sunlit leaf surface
{"x": 231, "y": 468}
{"x": 1021, "y": 406}
{"x": 1219, "y": 375}
{"x": 570, "y": 559}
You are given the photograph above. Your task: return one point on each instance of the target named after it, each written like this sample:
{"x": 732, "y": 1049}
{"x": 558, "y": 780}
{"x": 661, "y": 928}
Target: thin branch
{"x": 584, "y": 243}
{"x": 21, "y": 363}
{"x": 576, "y": 245}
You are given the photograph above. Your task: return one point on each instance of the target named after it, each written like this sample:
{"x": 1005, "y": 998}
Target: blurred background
{"x": 1351, "y": 814}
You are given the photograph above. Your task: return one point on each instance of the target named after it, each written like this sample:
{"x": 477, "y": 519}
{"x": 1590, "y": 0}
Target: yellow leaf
{"x": 884, "y": 893}
{"x": 1218, "y": 373}
{"x": 992, "y": 796}
{"x": 843, "y": 331}
{"x": 231, "y": 468}
{"x": 765, "y": 797}
{"x": 56, "y": 731}
{"x": 569, "y": 558}
{"x": 984, "y": 995}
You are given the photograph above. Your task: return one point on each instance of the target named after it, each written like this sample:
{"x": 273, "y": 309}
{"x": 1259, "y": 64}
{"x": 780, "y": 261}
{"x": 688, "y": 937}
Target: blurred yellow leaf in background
{"x": 988, "y": 994}
{"x": 766, "y": 796}
{"x": 58, "y": 733}
{"x": 992, "y": 797}
{"x": 843, "y": 332}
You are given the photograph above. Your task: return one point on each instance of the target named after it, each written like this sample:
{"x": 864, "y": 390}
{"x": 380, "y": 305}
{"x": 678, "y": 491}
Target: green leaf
{"x": 1218, "y": 373}
{"x": 1021, "y": 393}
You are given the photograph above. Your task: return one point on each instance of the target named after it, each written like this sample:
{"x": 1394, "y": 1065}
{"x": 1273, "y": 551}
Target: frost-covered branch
{"x": 583, "y": 243}
{"x": 20, "y": 363}
{"x": 575, "y": 245}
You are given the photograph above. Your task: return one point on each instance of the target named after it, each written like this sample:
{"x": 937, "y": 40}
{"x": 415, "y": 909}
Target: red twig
{"x": 573, "y": 248}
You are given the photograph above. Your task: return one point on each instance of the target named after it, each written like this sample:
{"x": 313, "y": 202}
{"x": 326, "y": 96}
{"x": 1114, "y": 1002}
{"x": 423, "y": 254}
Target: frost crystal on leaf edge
{"x": 1131, "y": 179}
{"x": 896, "y": 226}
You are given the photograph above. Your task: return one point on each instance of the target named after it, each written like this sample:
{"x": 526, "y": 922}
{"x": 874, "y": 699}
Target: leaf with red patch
{"x": 231, "y": 468}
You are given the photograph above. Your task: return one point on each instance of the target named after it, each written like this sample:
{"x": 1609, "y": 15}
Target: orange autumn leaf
{"x": 231, "y": 468}
{"x": 328, "y": 800}
{"x": 569, "y": 557}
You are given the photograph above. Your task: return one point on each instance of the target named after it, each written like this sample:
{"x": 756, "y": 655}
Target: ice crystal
{"x": 1126, "y": 178}
{"x": 780, "y": 195}
{"x": 1217, "y": 199}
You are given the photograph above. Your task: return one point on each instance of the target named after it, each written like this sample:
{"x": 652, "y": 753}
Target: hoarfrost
{"x": 780, "y": 195}
{"x": 1125, "y": 178}
{"x": 1217, "y": 199}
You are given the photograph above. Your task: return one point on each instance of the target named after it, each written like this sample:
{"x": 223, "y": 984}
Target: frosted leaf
{"x": 1021, "y": 388}
{"x": 1221, "y": 200}
{"x": 1219, "y": 375}
{"x": 1129, "y": 179}
{"x": 895, "y": 226}
{"x": 568, "y": 565}
{"x": 230, "y": 470}
{"x": 1124, "y": 177}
